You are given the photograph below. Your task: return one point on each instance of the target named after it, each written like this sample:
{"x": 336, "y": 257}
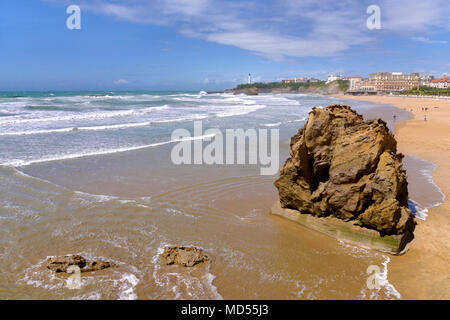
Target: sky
{"x": 211, "y": 44}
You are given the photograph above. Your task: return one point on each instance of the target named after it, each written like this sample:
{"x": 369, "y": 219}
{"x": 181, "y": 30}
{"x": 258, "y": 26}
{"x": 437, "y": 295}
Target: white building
{"x": 300, "y": 79}
{"x": 333, "y": 78}
{"x": 426, "y": 80}
{"x": 442, "y": 83}
{"x": 353, "y": 81}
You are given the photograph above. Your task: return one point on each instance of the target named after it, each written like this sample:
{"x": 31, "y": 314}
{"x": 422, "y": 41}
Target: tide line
{"x": 21, "y": 163}
{"x": 75, "y": 129}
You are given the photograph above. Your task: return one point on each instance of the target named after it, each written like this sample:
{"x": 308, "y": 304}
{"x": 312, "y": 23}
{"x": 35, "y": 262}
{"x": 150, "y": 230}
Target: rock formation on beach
{"x": 343, "y": 166}
{"x": 62, "y": 263}
{"x": 184, "y": 256}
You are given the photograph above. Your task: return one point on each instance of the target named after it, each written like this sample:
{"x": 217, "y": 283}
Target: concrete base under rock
{"x": 347, "y": 231}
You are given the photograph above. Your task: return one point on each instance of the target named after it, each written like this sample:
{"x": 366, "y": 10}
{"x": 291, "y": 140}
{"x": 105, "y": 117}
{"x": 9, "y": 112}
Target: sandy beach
{"x": 423, "y": 272}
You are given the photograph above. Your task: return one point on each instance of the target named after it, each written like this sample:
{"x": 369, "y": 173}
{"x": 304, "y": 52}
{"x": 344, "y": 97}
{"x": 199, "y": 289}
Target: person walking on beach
{"x": 425, "y": 118}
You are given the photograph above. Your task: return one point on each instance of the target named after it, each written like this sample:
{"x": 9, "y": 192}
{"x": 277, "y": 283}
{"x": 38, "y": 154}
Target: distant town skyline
{"x": 209, "y": 44}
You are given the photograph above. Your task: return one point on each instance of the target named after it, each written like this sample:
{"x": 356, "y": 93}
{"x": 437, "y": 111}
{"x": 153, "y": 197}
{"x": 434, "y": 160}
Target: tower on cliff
{"x": 249, "y": 80}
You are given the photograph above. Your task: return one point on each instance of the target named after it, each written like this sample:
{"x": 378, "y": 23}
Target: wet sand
{"x": 424, "y": 271}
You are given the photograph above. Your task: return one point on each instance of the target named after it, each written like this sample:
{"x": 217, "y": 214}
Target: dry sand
{"x": 424, "y": 271}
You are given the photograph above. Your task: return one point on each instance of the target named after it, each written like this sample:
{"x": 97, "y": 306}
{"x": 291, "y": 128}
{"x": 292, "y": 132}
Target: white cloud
{"x": 427, "y": 40}
{"x": 284, "y": 28}
{"x": 411, "y": 16}
{"x": 186, "y": 7}
{"x": 121, "y": 81}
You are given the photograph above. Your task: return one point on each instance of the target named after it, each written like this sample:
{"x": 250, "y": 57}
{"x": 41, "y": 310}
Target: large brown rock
{"x": 344, "y": 166}
{"x": 184, "y": 256}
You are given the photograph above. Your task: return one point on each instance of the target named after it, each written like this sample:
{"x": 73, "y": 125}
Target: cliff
{"x": 335, "y": 87}
{"x": 343, "y": 167}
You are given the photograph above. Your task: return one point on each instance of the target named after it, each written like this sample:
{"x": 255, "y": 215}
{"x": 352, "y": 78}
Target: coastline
{"x": 127, "y": 206}
{"x": 422, "y": 273}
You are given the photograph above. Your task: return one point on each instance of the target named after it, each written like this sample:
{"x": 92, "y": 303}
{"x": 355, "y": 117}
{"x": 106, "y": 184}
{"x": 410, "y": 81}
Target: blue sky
{"x": 210, "y": 44}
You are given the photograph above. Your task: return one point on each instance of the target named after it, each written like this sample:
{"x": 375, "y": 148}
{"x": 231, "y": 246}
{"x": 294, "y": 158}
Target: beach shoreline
{"x": 422, "y": 273}
{"x": 127, "y": 206}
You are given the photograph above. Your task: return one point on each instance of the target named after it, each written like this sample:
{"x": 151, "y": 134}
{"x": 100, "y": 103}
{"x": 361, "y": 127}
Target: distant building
{"x": 442, "y": 83}
{"x": 249, "y": 79}
{"x": 426, "y": 80}
{"x": 353, "y": 81}
{"x": 333, "y": 78}
{"x": 394, "y": 81}
{"x": 287, "y": 80}
{"x": 359, "y": 84}
{"x": 315, "y": 80}
{"x": 366, "y": 85}
{"x": 300, "y": 79}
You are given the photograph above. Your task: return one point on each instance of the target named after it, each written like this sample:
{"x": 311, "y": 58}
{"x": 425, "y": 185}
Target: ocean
{"x": 90, "y": 173}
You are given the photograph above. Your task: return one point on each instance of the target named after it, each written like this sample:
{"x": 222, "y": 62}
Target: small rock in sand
{"x": 97, "y": 265}
{"x": 184, "y": 256}
{"x": 62, "y": 263}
